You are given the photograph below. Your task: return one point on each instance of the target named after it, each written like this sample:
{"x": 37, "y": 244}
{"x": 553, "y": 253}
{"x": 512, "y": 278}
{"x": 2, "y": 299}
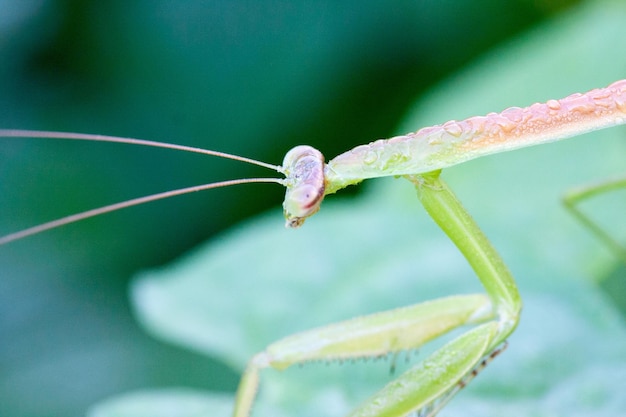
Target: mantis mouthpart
{"x": 419, "y": 157}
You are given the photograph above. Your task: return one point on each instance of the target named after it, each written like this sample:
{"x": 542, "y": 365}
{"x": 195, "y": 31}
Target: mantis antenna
{"x": 136, "y": 201}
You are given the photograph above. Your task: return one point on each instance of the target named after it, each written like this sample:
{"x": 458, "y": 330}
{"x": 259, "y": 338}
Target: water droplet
{"x": 501, "y": 125}
{"x": 619, "y": 85}
{"x": 514, "y": 114}
{"x": 435, "y": 138}
{"x": 453, "y": 128}
{"x": 580, "y": 103}
{"x": 397, "y": 139}
{"x": 620, "y": 102}
{"x": 553, "y": 104}
{"x": 370, "y": 158}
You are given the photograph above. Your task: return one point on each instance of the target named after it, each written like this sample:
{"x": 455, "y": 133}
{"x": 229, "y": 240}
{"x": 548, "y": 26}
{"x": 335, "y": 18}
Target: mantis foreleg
{"x": 373, "y": 335}
{"x": 437, "y": 376}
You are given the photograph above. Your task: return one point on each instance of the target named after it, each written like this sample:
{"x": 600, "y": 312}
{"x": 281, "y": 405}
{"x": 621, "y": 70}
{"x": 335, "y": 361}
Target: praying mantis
{"x": 419, "y": 157}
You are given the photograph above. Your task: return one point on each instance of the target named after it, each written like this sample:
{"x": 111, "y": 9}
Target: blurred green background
{"x": 253, "y": 78}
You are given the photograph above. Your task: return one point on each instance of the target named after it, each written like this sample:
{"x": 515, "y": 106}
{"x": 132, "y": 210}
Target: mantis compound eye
{"x": 304, "y": 167}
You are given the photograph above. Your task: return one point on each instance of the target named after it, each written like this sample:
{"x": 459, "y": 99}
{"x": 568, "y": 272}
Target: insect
{"x": 418, "y": 157}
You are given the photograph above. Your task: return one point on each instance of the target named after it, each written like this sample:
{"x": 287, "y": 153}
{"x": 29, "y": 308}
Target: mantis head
{"x": 304, "y": 168}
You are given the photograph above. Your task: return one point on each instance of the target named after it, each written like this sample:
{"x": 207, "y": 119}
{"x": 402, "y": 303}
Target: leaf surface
{"x": 260, "y": 282}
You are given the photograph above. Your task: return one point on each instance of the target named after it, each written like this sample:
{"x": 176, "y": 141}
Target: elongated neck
{"x": 437, "y": 147}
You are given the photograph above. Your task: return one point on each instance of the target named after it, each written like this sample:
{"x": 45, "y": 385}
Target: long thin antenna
{"x": 15, "y": 133}
{"x": 129, "y": 203}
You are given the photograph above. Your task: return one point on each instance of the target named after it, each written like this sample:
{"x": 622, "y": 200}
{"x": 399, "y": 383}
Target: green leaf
{"x": 260, "y": 282}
